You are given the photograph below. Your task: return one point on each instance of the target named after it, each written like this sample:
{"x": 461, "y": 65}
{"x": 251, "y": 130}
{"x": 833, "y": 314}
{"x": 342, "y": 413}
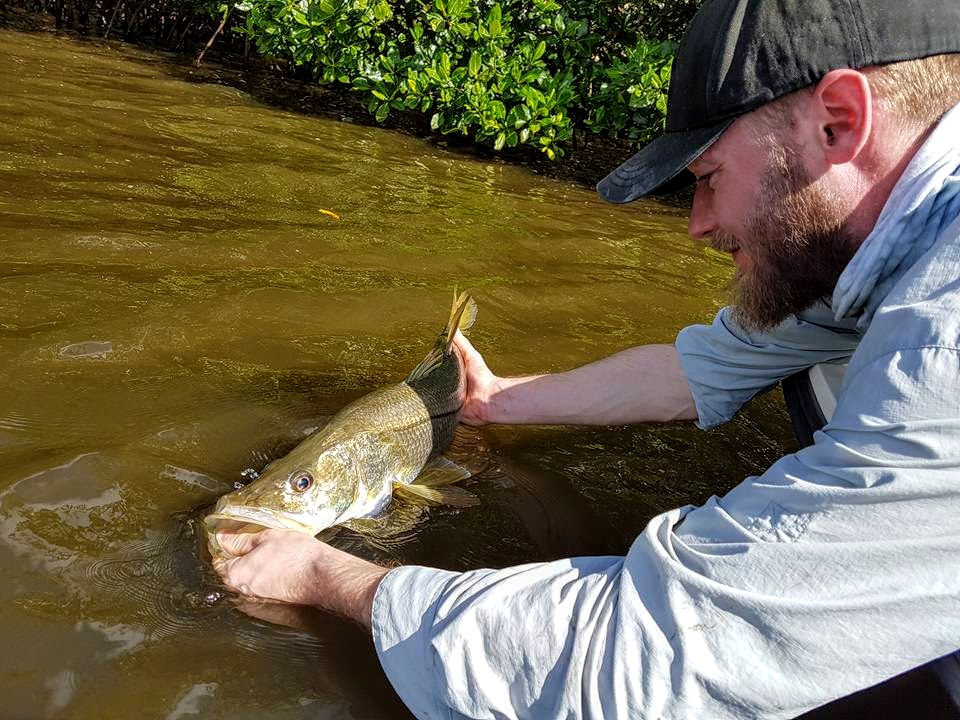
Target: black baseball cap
{"x": 737, "y": 55}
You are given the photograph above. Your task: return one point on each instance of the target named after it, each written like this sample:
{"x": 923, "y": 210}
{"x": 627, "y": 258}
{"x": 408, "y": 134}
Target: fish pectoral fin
{"x": 421, "y": 494}
{"x": 433, "y": 485}
{"x": 440, "y": 471}
{"x": 457, "y": 497}
{"x": 417, "y": 494}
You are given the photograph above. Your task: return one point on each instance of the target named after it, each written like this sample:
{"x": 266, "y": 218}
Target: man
{"x": 825, "y": 143}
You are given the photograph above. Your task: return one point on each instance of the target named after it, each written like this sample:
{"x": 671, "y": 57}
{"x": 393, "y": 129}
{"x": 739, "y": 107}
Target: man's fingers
{"x": 238, "y": 543}
{"x": 460, "y": 339}
{"x": 467, "y": 351}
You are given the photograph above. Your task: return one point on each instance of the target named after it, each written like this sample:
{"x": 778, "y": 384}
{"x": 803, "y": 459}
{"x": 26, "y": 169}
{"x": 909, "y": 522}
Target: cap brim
{"x": 661, "y": 166}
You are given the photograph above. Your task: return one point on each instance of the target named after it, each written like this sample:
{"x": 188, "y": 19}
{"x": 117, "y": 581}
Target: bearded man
{"x": 824, "y": 140}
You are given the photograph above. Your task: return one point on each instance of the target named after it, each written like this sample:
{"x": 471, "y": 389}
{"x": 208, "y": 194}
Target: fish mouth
{"x": 240, "y": 517}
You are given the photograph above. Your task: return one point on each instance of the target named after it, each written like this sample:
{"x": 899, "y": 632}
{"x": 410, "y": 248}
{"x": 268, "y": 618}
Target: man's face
{"x": 756, "y": 200}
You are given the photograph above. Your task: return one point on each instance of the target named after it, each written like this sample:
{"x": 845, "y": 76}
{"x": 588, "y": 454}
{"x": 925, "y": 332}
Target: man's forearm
{"x": 642, "y": 384}
{"x": 346, "y": 585}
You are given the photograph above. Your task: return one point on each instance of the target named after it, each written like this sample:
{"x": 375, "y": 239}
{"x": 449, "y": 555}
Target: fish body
{"x": 388, "y": 440}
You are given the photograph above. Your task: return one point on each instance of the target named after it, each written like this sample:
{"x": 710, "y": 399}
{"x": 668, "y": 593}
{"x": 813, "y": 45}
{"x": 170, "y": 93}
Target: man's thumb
{"x": 237, "y": 543}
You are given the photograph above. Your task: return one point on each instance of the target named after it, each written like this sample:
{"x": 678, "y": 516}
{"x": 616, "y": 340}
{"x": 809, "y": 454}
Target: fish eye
{"x": 301, "y": 481}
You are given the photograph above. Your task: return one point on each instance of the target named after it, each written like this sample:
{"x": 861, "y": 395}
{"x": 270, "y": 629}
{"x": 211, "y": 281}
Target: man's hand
{"x": 291, "y": 567}
{"x": 482, "y": 385}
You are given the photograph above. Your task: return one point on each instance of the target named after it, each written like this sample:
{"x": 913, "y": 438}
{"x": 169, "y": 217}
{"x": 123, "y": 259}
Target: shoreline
{"x": 585, "y": 162}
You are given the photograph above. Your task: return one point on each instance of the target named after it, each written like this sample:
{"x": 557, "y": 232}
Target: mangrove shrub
{"x": 508, "y": 73}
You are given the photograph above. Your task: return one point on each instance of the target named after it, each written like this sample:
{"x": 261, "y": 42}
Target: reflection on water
{"x": 175, "y": 308}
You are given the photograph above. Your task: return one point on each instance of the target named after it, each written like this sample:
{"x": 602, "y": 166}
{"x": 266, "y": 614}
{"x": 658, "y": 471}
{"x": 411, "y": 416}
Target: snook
{"x": 389, "y": 440}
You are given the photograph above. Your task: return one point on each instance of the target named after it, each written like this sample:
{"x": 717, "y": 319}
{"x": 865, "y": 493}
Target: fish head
{"x": 306, "y": 492}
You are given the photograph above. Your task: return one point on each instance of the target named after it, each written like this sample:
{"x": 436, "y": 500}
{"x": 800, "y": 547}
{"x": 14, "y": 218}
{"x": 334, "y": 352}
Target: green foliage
{"x": 508, "y": 73}
{"x": 213, "y": 9}
{"x": 631, "y": 99}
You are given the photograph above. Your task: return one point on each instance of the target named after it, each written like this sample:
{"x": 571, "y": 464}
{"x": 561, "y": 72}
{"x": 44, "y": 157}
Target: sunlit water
{"x": 174, "y": 308}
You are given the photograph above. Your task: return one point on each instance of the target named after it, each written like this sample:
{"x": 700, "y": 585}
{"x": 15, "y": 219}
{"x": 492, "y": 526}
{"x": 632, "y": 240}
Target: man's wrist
{"x": 497, "y": 404}
{"x": 346, "y": 585}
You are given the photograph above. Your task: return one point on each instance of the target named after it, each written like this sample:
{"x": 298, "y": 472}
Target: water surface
{"x": 174, "y": 308}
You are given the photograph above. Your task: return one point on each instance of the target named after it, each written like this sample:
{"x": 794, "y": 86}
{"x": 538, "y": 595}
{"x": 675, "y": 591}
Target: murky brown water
{"x": 174, "y": 308}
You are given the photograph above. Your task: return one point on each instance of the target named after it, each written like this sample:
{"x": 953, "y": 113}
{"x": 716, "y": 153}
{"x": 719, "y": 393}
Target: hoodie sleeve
{"x": 835, "y": 569}
{"x": 726, "y": 365}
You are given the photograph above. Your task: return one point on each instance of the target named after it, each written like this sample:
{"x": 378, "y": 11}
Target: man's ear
{"x": 842, "y": 103}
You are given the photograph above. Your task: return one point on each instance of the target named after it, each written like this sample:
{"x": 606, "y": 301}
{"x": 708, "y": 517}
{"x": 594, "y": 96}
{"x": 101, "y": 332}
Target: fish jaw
{"x": 226, "y": 516}
{"x": 243, "y": 519}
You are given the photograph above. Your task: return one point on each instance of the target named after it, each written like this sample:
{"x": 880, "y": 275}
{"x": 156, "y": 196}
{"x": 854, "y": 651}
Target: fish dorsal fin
{"x": 430, "y": 363}
{"x": 462, "y": 316}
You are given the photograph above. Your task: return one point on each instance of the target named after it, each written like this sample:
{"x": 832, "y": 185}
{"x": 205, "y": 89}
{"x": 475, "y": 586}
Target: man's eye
{"x": 705, "y": 179}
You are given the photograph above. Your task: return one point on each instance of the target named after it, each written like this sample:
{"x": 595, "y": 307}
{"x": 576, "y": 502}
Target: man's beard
{"x": 798, "y": 243}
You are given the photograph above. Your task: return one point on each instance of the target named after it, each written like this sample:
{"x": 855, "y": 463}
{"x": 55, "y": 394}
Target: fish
{"x": 386, "y": 442}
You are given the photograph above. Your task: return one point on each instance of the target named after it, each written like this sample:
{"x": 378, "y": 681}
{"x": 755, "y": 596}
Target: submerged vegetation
{"x": 505, "y": 74}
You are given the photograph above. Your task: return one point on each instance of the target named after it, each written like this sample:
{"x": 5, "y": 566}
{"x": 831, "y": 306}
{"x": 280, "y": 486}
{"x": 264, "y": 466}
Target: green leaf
{"x": 435, "y": 120}
{"x": 379, "y": 95}
{"x": 381, "y": 11}
{"x": 493, "y": 20}
{"x": 475, "y": 63}
{"x": 540, "y": 50}
{"x": 382, "y": 112}
{"x": 501, "y": 139}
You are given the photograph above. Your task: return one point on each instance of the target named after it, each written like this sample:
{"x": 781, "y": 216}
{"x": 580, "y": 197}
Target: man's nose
{"x": 702, "y": 222}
